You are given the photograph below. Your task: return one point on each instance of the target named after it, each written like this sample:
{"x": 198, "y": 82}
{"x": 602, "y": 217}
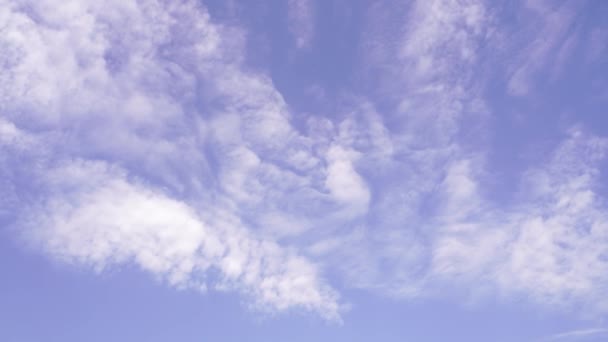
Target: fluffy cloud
{"x": 152, "y": 146}
{"x": 95, "y": 216}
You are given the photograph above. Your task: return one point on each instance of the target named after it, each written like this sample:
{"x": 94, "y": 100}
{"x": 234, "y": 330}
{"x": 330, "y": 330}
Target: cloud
{"x": 576, "y": 335}
{"x": 433, "y": 228}
{"x": 554, "y": 30}
{"x": 343, "y": 182}
{"x": 300, "y": 14}
{"x": 557, "y": 257}
{"x": 135, "y": 132}
{"x": 548, "y": 248}
{"x": 94, "y": 216}
{"x": 153, "y": 146}
{"x": 420, "y": 60}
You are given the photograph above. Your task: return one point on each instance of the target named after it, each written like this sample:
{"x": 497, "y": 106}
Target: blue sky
{"x": 303, "y": 170}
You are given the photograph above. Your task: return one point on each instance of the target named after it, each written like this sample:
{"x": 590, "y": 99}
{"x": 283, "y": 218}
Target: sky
{"x": 303, "y": 170}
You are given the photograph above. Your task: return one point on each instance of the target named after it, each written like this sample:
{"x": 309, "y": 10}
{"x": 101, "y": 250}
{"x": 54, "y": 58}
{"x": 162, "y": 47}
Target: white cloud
{"x": 151, "y": 143}
{"x": 158, "y": 148}
{"x": 95, "y": 216}
{"x": 343, "y": 182}
{"x": 549, "y": 248}
{"x": 10, "y": 135}
{"x": 461, "y": 190}
{"x": 446, "y": 234}
{"x": 423, "y": 57}
{"x": 556, "y": 256}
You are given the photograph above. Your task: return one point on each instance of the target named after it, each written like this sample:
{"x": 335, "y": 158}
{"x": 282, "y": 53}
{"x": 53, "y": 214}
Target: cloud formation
{"x": 136, "y": 132}
{"x": 145, "y": 130}
{"x": 435, "y": 228}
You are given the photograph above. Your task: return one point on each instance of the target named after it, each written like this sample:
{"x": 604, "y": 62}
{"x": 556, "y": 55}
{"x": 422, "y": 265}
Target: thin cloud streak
{"x": 576, "y": 335}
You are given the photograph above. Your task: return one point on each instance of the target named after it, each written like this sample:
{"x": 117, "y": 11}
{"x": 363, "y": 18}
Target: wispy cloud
{"x": 136, "y": 132}
{"x": 576, "y": 335}
{"x": 301, "y": 21}
{"x": 439, "y": 226}
{"x": 553, "y": 32}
